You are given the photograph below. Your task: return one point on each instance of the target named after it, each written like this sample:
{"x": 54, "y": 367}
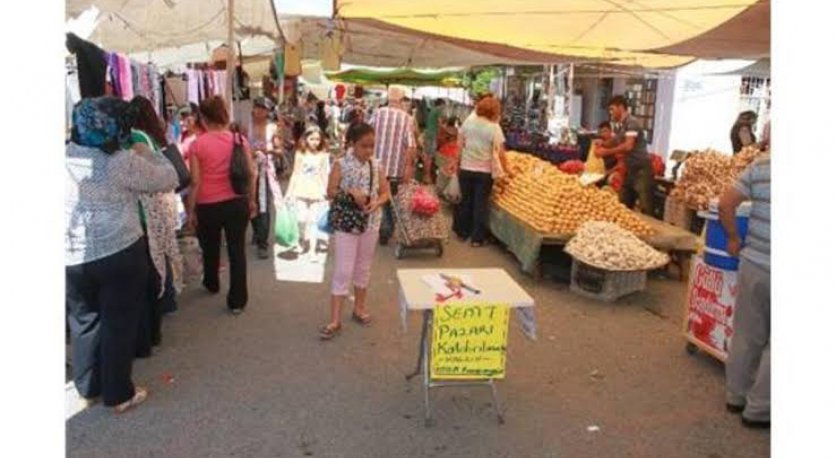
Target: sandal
{"x": 329, "y": 331}
{"x": 140, "y": 395}
{"x": 364, "y": 319}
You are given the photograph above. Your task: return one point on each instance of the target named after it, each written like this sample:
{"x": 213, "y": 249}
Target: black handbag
{"x": 184, "y": 178}
{"x": 239, "y": 170}
{"x": 345, "y": 215}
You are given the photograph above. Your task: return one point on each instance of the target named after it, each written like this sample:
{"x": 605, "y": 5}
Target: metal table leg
{"x": 497, "y": 407}
{"x": 424, "y": 330}
{"x": 423, "y": 368}
{"x": 426, "y": 352}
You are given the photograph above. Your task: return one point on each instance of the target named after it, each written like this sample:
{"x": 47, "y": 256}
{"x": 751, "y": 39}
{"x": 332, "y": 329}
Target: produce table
{"x": 525, "y": 241}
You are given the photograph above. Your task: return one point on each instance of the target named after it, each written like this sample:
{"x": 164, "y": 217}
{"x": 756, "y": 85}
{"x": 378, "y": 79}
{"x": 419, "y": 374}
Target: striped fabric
{"x": 393, "y": 137}
{"x": 754, "y": 184}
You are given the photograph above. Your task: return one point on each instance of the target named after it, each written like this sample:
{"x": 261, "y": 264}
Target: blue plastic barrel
{"x": 716, "y": 242}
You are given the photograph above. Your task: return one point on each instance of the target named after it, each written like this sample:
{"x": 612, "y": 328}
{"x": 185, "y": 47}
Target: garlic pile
{"x": 708, "y": 174}
{"x": 557, "y": 203}
{"x": 608, "y": 246}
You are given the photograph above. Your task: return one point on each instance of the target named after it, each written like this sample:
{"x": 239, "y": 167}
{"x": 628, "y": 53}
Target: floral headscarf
{"x": 101, "y": 122}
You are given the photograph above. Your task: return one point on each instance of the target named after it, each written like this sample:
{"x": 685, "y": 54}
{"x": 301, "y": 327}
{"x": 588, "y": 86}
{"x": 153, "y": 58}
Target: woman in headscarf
{"x": 105, "y": 250}
{"x": 158, "y": 215}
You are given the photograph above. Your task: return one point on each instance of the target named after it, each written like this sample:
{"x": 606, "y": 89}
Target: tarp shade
{"x": 619, "y": 31}
{"x": 759, "y": 69}
{"x": 131, "y": 26}
{"x": 745, "y": 36}
{"x": 368, "y": 42}
{"x": 401, "y": 76}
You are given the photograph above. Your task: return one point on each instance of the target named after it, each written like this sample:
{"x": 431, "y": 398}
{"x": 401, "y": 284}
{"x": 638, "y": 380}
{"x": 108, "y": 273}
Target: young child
{"x": 307, "y": 190}
{"x": 353, "y": 176}
{"x": 448, "y": 152}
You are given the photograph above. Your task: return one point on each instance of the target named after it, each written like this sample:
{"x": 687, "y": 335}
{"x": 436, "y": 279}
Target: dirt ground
{"x": 263, "y": 385}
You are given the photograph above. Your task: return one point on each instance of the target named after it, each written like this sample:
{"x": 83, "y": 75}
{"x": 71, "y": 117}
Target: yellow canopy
{"x": 618, "y": 31}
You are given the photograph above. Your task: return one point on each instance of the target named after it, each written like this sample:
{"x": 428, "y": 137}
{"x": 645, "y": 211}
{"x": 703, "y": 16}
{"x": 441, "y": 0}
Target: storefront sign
{"x": 469, "y": 341}
{"x": 711, "y": 299}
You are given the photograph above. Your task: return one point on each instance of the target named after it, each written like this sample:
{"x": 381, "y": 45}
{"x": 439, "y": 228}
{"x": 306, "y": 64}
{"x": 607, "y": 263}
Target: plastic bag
{"x": 424, "y": 202}
{"x": 594, "y": 164}
{"x": 287, "y": 227}
{"x": 453, "y": 191}
{"x": 324, "y": 222}
{"x": 192, "y": 259}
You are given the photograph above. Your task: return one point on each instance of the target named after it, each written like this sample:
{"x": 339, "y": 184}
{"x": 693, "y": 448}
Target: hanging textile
{"x": 221, "y": 76}
{"x": 91, "y": 62}
{"x": 201, "y": 83}
{"x": 113, "y": 73}
{"x": 157, "y": 88}
{"x": 125, "y": 77}
{"x": 135, "y": 74}
{"x": 192, "y": 91}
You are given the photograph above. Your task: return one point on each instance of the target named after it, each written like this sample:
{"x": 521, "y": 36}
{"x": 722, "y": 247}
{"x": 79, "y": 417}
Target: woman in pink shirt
{"x": 214, "y": 206}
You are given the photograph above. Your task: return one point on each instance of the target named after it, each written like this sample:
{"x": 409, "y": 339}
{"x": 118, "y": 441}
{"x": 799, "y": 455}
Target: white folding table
{"x": 495, "y": 287}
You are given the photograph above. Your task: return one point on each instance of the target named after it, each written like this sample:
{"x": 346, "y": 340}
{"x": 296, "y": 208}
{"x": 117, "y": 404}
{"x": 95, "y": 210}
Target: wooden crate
{"x": 603, "y": 284}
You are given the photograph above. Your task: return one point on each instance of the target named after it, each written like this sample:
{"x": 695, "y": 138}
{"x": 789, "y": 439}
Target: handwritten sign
{"x": 711, "y": 305}
{"x": 469, "y": 341}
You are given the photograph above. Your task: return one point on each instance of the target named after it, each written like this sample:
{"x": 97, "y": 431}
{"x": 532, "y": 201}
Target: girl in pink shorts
{"x": 355, "y": 175}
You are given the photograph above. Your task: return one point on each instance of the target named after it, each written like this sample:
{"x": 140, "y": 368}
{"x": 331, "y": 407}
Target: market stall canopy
{"x": 171, "y": 34}
{"x": 131, "y": 26}
{"x": 745, "y": 36}
{"x": 759, "y": 69}
{"x": 372, "y": 43}
{"x": 616, "y": 31}
{"x": 401, "y": 76}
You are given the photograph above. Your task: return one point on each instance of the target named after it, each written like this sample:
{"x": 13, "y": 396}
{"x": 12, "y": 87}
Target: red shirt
{"x": 213, "y": 151}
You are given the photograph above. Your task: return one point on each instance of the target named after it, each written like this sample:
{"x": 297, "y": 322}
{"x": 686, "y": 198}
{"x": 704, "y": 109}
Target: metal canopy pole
{"x": 230, "y": 57}
{"x": 570, "y": 89}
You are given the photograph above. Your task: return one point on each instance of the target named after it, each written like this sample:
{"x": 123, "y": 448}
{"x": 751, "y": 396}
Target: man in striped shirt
{"x": 395, "y": 149}
{"x": 748, "y": 365}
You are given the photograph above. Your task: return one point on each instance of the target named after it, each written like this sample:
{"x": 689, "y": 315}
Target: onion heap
{"x": 555, "y": 202}
{"x": 608, "y": 246}
{"x": 709, "y": 173}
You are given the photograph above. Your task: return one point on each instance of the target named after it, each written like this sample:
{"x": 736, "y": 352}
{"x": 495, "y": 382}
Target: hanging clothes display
{"x": 91, "y": 62}
{"x": 201, "y": 84}
{"x": 108, "y": 73}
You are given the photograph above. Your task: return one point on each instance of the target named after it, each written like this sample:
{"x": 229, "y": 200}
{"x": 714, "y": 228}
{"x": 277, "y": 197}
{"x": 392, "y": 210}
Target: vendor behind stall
{"x": 629, "y": 143}
{"x": 613, "y": 167}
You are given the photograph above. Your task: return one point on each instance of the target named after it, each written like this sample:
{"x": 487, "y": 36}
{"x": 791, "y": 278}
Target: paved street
{"x": 262, "y": 384}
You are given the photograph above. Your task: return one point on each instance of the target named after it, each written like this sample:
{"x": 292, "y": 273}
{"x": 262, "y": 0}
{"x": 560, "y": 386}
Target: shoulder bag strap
{"x": 371, "y": 178}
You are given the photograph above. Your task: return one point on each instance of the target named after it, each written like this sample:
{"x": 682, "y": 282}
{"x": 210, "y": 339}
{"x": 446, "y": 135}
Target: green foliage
{"x": 479, "y": 81}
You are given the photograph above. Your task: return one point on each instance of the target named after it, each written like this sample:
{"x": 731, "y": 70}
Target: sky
{"x": 304, "y": 7}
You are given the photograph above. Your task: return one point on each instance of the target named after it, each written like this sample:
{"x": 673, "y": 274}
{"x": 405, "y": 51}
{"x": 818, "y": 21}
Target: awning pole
{"x": 230, "y": 58}
{"x": 569, "y": 91}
